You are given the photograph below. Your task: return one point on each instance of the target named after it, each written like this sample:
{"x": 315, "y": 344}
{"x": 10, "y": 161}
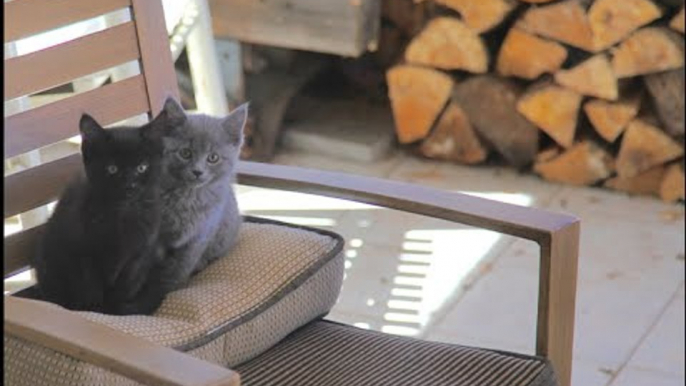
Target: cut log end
{"x": 447, "y": 43}
{"x": 677, "y": 22}
{"x": 490, "y": 103}
{"x": 648, "y": 50}
{"x": 553, "y": 109}
{"x": 672, "y": 185}
{"x": 481, "y": 15}
{"x": 667, "y": 90}
{"x": 609, "y": 119}
{"x": 454, "y": 139}
{"x": 613, "y": 20}
{"x": 646, "y": 183}
{"x": 527, "y": 56}
{"x": 565, "y": 22}
{"x": 593, "y": 77}
{"x": 584, "y": 164}
{"x": 417, "y": 96}
{"x": 643, "y": 147}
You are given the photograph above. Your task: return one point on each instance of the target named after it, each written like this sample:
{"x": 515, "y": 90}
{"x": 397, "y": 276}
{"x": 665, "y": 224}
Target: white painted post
{"x": 231, "y": 65}
{"x": 202, "y": 58}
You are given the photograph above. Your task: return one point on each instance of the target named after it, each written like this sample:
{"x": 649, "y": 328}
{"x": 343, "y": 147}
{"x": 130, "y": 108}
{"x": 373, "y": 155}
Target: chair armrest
{"x": 556, "y": 234}
{"x": 145, "y": 362}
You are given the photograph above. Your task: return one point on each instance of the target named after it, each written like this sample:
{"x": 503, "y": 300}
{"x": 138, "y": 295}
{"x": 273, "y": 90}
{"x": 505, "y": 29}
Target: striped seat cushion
{"x": 325, "y": 353}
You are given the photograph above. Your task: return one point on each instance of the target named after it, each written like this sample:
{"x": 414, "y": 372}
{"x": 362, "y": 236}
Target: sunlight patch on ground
{"x": 431, "y": 277}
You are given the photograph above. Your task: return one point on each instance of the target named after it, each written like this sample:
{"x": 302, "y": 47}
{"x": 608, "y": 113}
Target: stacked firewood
{"x": 584, "y": 92}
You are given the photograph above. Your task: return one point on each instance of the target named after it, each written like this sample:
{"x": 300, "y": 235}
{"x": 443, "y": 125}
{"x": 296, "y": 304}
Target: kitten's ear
{"x": 234, "y": 123}
{"x": 90, "y": 129}
{"x": 173, "y": 109}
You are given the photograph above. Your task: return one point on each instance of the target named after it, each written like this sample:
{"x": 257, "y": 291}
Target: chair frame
{"x": 66, "y": 332}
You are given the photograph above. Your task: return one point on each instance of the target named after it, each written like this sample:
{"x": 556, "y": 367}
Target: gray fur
{"x": 200, "y": 217}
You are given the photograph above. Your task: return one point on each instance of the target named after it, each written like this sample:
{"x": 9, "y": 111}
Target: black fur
{"x": 101, "y": 242}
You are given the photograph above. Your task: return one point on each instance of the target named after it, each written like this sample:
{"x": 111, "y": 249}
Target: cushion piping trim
{"x": 279, "y": 294}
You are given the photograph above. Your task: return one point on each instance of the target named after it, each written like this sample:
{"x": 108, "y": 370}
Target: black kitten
{"x": 100, "y": 242}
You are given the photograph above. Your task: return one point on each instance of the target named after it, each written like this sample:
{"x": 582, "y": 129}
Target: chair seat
{"x": 278, "y": 278}
{"x": 325, "y": 353}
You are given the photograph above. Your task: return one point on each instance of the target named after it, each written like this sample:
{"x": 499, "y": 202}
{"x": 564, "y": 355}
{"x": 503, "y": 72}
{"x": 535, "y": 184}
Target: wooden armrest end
{"x": 66, "y": 332}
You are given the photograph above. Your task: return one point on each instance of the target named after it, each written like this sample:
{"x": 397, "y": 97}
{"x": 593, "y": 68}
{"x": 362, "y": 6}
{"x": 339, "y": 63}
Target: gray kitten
{"x": 200, "y": 217}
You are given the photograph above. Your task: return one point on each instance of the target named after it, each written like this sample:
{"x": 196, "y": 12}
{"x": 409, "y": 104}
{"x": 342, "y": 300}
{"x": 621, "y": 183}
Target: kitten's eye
{"x": 213, "y": 158}
{"x": 111, "y": 169}
{"x": 185, "y": 153}
{"x": 142, "y": 168}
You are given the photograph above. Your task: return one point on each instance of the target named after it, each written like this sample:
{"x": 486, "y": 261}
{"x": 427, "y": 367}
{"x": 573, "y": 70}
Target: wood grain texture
{"x": 557, "y": 299}
{"x": 482, "y": 15}
{"x": 553, "y": 109}
{"x": 583, "y": 164}
{"x": 28, "y": 130}
{"x": 677, "y": 23}
{"x": 18, "y": 249}
{"x": 528, "y": 223}
{"x": 613, "y": 20}
{"x": 448, "y": 44}
{"x": 592, "y": 77}
{"x": 610, "y": 119}
{"x": 68, "y": 333}
{"x": 65, "y": 62}
{"x": 156, "y": 57}
{"x": 565, "y": 22}
{"x": 645, "y": 146}
{"x": 39, "y": 185}
{"x": 490, "y": 103}
{"x": 336, "y": 27}
{"x": 648, "y": 50}
{"x": 646, "y": 183}
{"x": 528, "y": 56}
{"x": 30, "y": 17}
{"x": 667, "y": 91}
{"x": 417, "y": 96}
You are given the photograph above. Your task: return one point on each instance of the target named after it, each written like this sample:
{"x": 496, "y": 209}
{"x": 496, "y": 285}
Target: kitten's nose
{"x": 197, "y": 173}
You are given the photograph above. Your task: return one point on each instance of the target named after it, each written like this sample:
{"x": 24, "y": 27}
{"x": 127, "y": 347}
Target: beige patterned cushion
{"x": 278, "y": 278}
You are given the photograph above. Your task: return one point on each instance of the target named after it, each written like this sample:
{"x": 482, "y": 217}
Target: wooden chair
{"x": 144, "y": 40}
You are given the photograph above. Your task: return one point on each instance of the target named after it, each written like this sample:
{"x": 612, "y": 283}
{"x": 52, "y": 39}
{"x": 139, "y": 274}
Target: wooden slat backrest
{"x": 143, "y": 39}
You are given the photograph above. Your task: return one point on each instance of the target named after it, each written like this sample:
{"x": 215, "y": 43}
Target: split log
{"x": 406, "y": 15}
{"x": 565, "y": 22}
{"x": 454, "y": 139}
{"x": 548, "y": 154}
{"x": 643, "y": 147}
{"x": 593, "y": 77}
{"x": 447, "y": 43}
{"x": 553, "y": 109}
{"x": 645, "y": 183}
{"x": 490, "y": 104}
{"x": 667, "y": 90}
{"x": 672, "y": 186}
{"x": 583, "y": 164}
{"x": 677, "y": 22}
{"x": 481, "y": 15}
{"x": 648, "y": 50}
{"x": 417, "y": 96}
{"x": 611, "y": 118}
{"x": 613, "y": 20}
{"x": 527, "y": 56}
